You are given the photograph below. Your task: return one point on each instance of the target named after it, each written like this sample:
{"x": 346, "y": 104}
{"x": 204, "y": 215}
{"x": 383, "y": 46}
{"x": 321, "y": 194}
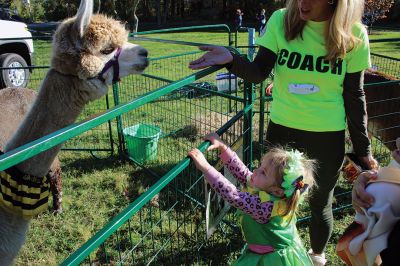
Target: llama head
{"x": 87, "y": 46}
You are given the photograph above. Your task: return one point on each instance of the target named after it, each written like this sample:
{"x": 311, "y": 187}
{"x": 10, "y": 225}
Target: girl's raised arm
{"x": 244, "y": 201}
{"x": 231, "y": 160}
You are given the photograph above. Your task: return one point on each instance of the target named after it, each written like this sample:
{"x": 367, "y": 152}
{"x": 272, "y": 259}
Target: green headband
{"x": 293, "y": 173}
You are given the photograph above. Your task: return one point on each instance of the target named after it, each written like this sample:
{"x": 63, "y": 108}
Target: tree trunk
{"x": 135, "y": 17}
{"x": 146, "y": 9}
{"x": 158, "y": 11}
{"x": 173, "y": 8}
{"x": 165, "y": 11}
{"x": 182, "y": 11}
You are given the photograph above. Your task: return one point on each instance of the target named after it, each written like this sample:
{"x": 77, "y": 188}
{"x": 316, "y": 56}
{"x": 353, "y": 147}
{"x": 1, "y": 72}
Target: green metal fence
{"x": 383, "y": 101}
{"x": 99, "y": 140}
{"x": 166, "y": 225}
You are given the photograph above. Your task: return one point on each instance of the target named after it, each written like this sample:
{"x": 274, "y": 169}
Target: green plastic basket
{"x": 141, "y": 141}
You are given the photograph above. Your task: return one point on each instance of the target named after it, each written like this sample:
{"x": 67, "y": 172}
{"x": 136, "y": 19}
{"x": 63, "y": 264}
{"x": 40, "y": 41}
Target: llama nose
{"x": 143, "y": 52}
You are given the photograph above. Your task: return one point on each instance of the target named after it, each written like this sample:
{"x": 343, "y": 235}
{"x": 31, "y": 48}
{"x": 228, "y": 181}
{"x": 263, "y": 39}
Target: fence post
{"x": 121, "y": 143}
{"x": 249, "y": 101}
{"x": 251, "y": 43}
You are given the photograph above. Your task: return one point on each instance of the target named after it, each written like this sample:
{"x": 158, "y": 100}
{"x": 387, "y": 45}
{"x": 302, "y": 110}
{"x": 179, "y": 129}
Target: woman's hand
{"x": 369, "y": 162}
{"x": 268, "y": 90}
{"x": 199, "y": 160}
{"x": 216, "y": 142}
{"x": 396, "y": 153}
{"x": 216, "y": 55}
{"x": 360, "y": 198}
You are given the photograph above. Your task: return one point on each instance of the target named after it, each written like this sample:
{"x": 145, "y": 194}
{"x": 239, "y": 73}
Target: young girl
{"x": 267, "y": 201}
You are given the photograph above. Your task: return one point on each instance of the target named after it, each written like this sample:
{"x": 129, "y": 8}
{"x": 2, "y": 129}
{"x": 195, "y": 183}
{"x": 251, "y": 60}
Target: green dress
{"x": 280, "y": 233}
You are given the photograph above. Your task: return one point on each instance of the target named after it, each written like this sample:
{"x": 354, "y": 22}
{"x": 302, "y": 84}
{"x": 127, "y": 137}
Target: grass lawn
{"x": 95, "y": 191}
{"x": 391, "y": 49}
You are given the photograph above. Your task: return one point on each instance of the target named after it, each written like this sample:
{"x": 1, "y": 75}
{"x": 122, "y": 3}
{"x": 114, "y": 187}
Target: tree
{"x": 22, "y": 8}
{"x": 135, "y": 17}
{"x": 375, "y": 10}
{"x": 37, "y": 10}
{"x": 61, "y": 9}
{"x": 108, "y": 7}
{"x": 127, "y": 11}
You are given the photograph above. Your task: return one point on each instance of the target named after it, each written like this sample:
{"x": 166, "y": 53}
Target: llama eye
{"x": 107, "y": 50}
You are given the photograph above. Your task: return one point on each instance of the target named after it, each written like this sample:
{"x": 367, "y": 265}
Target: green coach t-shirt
{"x": 307, "y": 88}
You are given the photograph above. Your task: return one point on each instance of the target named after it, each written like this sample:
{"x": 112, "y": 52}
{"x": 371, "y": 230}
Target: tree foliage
{"x": 164, "y": 11}
{"x": 37, "y": 10}
{"x": 21, "y": 8}
{"x": 375, "y": 10}
{"x": 60, "y": 9}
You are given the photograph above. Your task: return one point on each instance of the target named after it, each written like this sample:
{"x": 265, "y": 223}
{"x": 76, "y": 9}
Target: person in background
{"x": 319, "y": 50}
{"x": 238, "y": 19}
{"x": 262, "y": 21}
{"x": 267, "y": 202}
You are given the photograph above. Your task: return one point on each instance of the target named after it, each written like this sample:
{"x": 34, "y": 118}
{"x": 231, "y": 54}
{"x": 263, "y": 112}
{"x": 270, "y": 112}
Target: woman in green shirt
{"x": 319, "y": 50}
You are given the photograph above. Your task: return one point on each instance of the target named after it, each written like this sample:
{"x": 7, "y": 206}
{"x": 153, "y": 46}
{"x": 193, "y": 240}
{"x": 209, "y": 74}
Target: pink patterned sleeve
{"x": 244, "y": 201}
{"x": 238, "y": 169}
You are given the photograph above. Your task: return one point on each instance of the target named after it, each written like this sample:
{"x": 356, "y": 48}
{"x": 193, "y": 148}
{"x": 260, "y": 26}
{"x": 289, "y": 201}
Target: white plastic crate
{"x": 223, "y": 80}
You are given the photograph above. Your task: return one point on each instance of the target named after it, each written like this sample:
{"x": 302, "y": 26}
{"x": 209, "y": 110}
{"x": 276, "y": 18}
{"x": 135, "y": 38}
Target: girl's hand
{"x": 216, "y": 55}
{"x": 216, "y": 142}
{"x": 360, "y": 198}
{"x": 199, "y": 160}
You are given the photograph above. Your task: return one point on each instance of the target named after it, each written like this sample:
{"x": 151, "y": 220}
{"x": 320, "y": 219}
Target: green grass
{"x": 95, "y": 190}
{"x": 391, "y": 49}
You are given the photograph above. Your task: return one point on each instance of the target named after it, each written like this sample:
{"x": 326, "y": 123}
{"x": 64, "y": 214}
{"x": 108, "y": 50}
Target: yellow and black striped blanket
{"x": 23, "y": 194}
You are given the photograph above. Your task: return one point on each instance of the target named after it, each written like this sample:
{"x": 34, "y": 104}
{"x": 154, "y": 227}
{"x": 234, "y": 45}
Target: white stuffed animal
{"x": 368, "y": 236}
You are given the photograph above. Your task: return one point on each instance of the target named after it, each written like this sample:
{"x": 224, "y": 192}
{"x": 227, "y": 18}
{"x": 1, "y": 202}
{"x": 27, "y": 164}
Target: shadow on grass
{"x": 186, "y": 190}
{"x": 88, "y": 163}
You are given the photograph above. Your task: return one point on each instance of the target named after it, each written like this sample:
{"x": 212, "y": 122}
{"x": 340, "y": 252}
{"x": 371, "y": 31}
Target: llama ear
{"x": 83, "y": 16}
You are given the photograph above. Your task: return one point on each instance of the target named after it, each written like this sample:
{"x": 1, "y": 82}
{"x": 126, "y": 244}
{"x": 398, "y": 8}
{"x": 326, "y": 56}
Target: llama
{"x": 14, "y": 105}
{"x": 383, "y": 101}
{"x": 90, "y": 52}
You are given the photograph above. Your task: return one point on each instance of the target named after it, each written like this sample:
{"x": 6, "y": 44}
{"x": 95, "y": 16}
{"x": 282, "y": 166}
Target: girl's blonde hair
{"x": 339, "y": 38}
{"x": 278, "y": 161}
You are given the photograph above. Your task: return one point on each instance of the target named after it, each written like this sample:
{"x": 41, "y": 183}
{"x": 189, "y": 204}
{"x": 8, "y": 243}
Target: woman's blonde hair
{"x": 278, "y": 161}
{"x": 339, "y": 38}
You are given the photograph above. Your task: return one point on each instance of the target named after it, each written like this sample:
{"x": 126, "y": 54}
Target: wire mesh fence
{"x": 386, "y": 64}
{"x": 183, "y": 117}
{"x": 165, "y": 226}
